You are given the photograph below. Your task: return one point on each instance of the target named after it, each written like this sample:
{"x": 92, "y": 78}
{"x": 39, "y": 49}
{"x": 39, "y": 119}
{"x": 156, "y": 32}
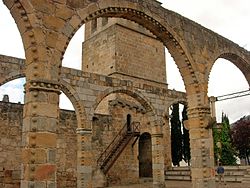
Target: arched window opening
{"x": 145, "y": 156}
{"x": 226, "y": 78}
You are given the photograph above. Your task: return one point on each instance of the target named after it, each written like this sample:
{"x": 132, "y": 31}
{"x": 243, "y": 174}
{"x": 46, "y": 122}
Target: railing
{"x": 134, "y": 129}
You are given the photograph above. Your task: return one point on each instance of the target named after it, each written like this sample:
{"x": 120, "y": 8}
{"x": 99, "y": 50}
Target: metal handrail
{"x": 135, "y": 127}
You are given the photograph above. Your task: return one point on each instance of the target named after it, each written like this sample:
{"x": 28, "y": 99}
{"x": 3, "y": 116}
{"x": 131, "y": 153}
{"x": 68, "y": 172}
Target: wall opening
{"x": 73, "y": 54}
{"x": 174, "y": 78}
{"x": 226, "y": 78}
{"x": 129, "y": 123}
{"x": 180, "y": 143}
{"x": 145, "y": 156}
{"x": 10, "y": 37}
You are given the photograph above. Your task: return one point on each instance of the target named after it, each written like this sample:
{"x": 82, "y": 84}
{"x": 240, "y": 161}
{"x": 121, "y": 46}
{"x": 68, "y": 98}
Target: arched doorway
{"x": 145, "y": 156}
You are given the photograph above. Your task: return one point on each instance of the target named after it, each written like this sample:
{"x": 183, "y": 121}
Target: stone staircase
{"x": 246, "y": 178}
{"x": 236, "y": 174}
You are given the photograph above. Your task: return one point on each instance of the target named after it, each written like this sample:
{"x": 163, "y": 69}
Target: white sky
{"x": 229, "y": 18}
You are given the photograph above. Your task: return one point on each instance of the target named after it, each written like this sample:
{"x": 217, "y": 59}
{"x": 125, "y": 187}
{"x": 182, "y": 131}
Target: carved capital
{"x": 41, "y": 85}
{"x": 199, "y": 118}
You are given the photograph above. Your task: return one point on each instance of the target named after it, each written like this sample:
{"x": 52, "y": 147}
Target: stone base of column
{"x": 203, "y": 183}
{"x": 159, "y": 185}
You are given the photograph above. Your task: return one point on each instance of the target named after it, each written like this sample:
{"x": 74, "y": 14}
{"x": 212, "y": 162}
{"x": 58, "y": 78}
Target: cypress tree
{"x": 228, "y": 153}
{"x": 185, "y": 137}
{"x": 176, "y": 141}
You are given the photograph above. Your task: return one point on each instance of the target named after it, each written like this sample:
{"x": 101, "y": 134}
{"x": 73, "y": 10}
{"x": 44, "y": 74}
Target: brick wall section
{"x": 10, "y": 147}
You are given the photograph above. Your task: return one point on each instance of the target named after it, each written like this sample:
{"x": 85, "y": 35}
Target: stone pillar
{"x": 212, "y": 106}
{"x": 167, "y": 144}
{"x": 201, "y": 143}
{"x": 41, "y": 112}
{"x": 158, "y": 161}
{"x": 85, "y": 158}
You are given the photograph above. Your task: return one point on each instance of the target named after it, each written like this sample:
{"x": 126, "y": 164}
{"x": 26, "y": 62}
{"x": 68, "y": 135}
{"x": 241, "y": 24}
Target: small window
{"x": 104, "y": 21}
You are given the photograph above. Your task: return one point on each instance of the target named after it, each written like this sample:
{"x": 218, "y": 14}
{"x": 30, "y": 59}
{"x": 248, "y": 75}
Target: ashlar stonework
{"x": 121, "y": 92}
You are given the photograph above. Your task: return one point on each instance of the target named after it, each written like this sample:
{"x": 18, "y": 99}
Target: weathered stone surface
{"x": 131, "y": 66}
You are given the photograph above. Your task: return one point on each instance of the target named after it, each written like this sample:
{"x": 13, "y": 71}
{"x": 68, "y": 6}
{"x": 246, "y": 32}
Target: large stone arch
{"x": 238, "y": 59}
{"x": 41, "y": 37}
{"x": 143, "y": 14}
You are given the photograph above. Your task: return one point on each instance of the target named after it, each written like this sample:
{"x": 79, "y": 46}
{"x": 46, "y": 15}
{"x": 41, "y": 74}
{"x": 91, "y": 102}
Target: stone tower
{"x": 123, "y": 49}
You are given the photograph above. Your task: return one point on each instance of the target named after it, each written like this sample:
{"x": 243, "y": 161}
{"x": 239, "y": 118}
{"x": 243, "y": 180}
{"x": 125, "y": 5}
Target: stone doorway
{"x": 145, "y": 156}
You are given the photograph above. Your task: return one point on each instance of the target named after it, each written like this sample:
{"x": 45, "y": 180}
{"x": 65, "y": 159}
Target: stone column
{"x": 212, "y": 106}
{"x": 158, "y": 161}
{"x": 167, "y": 144}
{"x": 85, "y": 158}
{"x": 201, "y": 143}
{"x": 40, "y": 122}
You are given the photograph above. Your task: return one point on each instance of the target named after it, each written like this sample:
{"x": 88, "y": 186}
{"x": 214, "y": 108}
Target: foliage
{"x": 241, "y": 137}
{"x": 176, "y": 141}
{"x": 185, "y": 137}
{"x": 216, "y": 136}
{"x": 227, "y": 153}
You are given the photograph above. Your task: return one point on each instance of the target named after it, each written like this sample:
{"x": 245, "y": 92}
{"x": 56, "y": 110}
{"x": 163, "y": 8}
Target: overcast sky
{"x": 229, "y": 18}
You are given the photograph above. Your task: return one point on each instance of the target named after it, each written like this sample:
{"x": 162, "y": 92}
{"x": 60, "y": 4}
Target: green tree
{"x": 216, "y": 137}
{"x": 226, "y": 151}
{"x": 185, "y": 137}
{"x": 176, "y": 141}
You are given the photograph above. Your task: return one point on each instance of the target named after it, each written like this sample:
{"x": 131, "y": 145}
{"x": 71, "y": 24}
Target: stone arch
{"x": 21, "y": 13}
{"x": 146, "y": 13}
{"x": 134, "y": 94}
{"x": 74, "y": 98}
{"x": 14, "y": 76}
{"x": 141, "y": 14}
{"x": 175, "y": 101}
{"x": 237, "y": 59}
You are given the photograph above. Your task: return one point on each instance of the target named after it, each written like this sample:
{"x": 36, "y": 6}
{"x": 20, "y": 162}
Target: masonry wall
{"x": 10, "y": 144}
{"x": 112, "y": 52}
{"x": 125, "y": 170}
{"x": 10, "y": 147}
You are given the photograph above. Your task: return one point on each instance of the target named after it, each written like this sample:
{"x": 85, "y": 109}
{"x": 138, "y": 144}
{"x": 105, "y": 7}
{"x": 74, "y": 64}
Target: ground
{"x": 182, "y": 184}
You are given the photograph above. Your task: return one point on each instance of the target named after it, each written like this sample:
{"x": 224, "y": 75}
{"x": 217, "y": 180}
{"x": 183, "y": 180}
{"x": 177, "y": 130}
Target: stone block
{"x": 45, "y": 172}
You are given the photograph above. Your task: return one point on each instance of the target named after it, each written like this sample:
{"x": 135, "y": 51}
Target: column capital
{"x": 199, "y": 117}
{"x": 45, "y": 85}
